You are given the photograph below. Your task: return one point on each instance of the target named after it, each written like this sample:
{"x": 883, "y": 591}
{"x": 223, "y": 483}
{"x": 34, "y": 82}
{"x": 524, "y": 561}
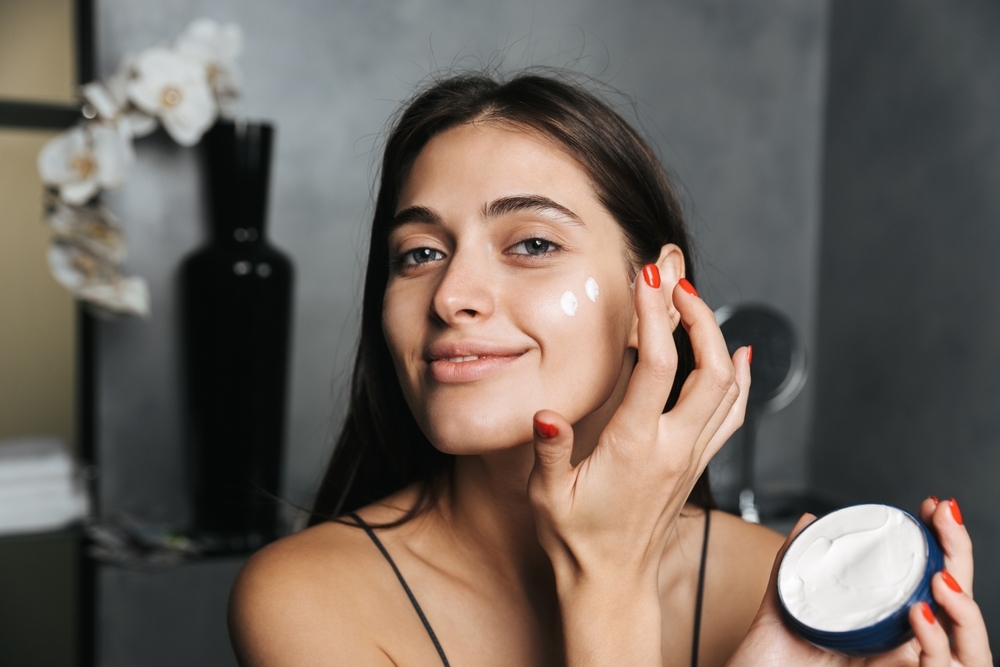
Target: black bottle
{"x": 236, "y": 311}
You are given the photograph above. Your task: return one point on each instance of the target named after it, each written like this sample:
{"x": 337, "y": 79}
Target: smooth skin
{"x": 573, "y": 549}
{"x": 482, "y": 260}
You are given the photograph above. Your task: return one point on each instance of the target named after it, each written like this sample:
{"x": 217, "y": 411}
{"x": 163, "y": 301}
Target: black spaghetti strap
{"x": 409, "y": 593}
{"x": 701, "y": 589}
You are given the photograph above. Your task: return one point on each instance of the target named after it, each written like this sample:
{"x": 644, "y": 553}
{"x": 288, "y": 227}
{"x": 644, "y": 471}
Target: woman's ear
{"x": 671, "y": 266}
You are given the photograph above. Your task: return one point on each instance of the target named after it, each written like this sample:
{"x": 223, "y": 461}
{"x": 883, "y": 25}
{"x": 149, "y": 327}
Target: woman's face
{"x": 508, "y": 290}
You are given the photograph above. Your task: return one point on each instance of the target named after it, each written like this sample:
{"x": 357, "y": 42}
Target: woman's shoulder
{"x": 740, "y": 557}
{"x": 734, "y": 537}
{"x": 294, "y": 564}
{"x": 303, "y": 595}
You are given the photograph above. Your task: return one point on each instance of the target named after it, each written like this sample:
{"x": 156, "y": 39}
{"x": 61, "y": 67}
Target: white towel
{"x": 39, "y": 486}
{"x": 23, "y": 459}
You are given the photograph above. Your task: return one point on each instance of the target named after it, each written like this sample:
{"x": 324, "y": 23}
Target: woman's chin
{"x": 467, "y": 436}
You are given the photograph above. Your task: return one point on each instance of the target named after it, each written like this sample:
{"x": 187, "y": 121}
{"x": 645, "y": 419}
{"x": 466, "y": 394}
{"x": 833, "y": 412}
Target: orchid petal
{"x": 55, "y": 158}
{"x": 114, "y": 155}
{"x": 190, "y": 119}
{"x": 159, "y": 69}
{"x": 102, "y": 100}
{"x": 139, "y": 124}
{"x": 78, "y": 192}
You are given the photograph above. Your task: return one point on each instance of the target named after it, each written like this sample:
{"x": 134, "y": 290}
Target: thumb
{"x": 553, "y": 450}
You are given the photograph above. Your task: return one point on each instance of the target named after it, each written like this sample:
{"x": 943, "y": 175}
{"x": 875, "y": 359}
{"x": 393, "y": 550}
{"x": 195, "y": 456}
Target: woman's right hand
{"x": 955, "y": 638}
{"x": 605, "y": 522}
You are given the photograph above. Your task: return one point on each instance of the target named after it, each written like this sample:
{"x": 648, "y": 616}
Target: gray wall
{"x": 731, "y": 93}
{"x": 908, "y": 393}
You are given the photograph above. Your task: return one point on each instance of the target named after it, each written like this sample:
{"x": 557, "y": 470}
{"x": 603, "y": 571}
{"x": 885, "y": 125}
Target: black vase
{"x": 236, "y": 311}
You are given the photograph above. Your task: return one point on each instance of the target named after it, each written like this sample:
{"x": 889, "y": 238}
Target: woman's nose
{"x": 465, "y": 293}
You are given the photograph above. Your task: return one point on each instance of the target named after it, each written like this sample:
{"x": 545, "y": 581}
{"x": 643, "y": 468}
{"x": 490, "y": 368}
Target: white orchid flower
{"x": 92, "y": 228}
{"x": 110, "y": 99}
{"x": 218, "y": 47}
{"x": 93, "y": 280}
{"x": 174, "y": 87}
{"x": 81, "y": 161}
{"x": 114, "y": 109}
{"x": 129, "y": 121}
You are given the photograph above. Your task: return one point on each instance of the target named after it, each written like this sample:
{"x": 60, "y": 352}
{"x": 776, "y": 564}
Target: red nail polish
{"x": 950, "y": 581}
{"x": 935, "y": 499}
{"x": 651, "y": 274}
{"x": 547, "y": 431}
{"x": 687, "y": 287}
{"x": 955, "y": 512}
{"x": 749, "y": 354}
{"x": 928, "y": 614}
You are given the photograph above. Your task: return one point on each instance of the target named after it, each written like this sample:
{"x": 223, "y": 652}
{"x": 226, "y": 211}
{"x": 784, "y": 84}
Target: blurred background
{"x": 838, "y": 160}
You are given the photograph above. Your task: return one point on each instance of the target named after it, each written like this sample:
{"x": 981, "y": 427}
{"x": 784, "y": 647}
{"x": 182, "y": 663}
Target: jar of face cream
{"x": 848, "y": 580}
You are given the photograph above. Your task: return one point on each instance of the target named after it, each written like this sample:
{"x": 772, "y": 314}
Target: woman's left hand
{"x": 606, "y": 521}
{"x": 955, "y": 638}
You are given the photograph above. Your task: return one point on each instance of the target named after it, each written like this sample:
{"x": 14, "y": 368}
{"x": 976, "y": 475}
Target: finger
{"x": 551, "y": 476}
{"x": 970, "y": 641}
{"x": 653, "y": 377}
{"x": 926, "y": 510}
{"x": 732, "y": 418}
{"x": 934, "y": 648}
{"x": 948, "y": 524}
{"x": 714, "y": 375}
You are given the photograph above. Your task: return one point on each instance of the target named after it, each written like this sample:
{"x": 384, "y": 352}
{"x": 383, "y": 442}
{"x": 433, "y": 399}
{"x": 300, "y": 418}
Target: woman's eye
{"x": 534, "y": 246}
{"x": 420, "y": 256}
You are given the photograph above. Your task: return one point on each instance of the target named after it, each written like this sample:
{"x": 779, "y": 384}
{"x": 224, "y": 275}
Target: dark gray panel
{"x": 165, "y": 618}
{"x": 908, "y": 389}
{"x": 37, "y": 600}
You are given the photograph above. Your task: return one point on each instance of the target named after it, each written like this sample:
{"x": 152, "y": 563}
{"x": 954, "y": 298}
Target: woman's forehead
{"x": 489, "y": 160}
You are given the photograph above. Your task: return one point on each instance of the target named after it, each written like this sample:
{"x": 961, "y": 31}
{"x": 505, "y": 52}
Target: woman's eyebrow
{"x": 507, "y": 205}
{"x": 415, "y": 214}
{"x": 495, "y": 209}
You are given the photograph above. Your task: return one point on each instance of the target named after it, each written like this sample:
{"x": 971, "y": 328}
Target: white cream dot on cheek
{"x": 593, "y": 291}
{"x": 568, "y": 303}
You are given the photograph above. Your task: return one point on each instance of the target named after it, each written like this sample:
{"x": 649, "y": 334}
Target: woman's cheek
{"x": 577, "y": 345}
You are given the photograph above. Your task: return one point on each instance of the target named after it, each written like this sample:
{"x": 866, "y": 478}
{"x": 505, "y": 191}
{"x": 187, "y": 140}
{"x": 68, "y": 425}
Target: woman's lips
{"x": 466, "y": 368}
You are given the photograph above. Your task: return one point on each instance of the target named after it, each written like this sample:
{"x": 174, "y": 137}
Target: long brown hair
{"x": 381, "y": 449}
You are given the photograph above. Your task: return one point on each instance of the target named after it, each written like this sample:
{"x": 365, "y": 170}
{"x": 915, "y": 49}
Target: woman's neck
{"x": 489, "y": 510}
{"x": 488, "y": 506}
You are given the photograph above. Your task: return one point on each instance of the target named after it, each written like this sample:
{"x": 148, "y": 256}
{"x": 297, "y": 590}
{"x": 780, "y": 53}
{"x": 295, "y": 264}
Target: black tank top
{"x": 437, "y": 644}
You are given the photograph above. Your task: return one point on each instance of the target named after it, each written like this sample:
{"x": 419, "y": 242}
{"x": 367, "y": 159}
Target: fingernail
{"x": 955, "y": 512}
{"x": 950, "y": 581}
{"x": 687, "y": 287}
{"x": 651, "y": 274}
{"x": 749, "y": 354}
{"x": 547, "y": 431}
{"x": 928, "y": 614}
{"x": 935, "y": 499}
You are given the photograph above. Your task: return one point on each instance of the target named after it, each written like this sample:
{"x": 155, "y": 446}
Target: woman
{"x": 537, "y": 393}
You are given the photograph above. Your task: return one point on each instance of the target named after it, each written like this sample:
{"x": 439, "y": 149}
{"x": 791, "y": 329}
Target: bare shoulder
{"x": 744, "y": 544}
{"x": 740, "y": 558}
{"x": 300, "y": 601}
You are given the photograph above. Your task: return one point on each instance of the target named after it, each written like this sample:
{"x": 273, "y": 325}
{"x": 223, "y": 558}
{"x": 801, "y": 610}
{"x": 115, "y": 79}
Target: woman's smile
{"x": 467, "y": 360}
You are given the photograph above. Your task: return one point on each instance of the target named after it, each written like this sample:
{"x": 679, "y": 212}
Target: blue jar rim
{"x": 887, "y": 633}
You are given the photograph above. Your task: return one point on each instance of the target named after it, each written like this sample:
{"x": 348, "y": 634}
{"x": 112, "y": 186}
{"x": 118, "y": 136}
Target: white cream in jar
{"x": 852, "y": 568}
